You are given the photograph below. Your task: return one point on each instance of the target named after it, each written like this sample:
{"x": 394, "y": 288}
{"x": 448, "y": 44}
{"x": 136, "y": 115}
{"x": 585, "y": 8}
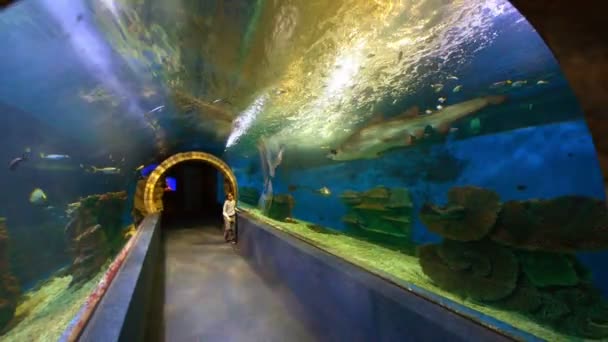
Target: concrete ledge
{"x": 340, "y": 301}
{"x": 121, "y": 314}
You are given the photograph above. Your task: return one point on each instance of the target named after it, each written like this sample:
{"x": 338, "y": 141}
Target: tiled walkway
{"x": 212, "y": 294}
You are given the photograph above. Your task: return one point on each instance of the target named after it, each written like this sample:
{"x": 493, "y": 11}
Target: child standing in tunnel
{"x": 229, "y": 218}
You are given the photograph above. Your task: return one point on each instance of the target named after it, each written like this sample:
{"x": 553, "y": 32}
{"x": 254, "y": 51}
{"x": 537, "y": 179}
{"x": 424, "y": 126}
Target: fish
{"x": 38, "y": 197}
{"x": 428, "y": 111}
{"x": 439, "y": 107}
{"x": 129, "y": 231}
{"x": 156, "y": 109}
{"x": 457, "y": 88}
{"x": 441, "y": 99}
{"x": 13, "y": 164}
{"x": 540, "y": 82}
{"x": 104, "y": 170}
{"x": 450, "y": 77}
{"x": 380, "y": 134}
{"x": 54, "y": 156}
{"x": 324, "y": 191}
{"x": 139, "y": 167}
{"x": 501, "y": 84}
{"x": 437, "y": 87}
{"x": 475, "y": 126}
{"x": 518, "y": 84}
{"x": 400, "y": 56}
{"x": 521, "y": 187}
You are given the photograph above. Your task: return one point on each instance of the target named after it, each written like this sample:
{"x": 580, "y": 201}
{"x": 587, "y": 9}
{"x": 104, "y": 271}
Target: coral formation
{"x": 380, "y": 214}
{"x": 279, "y": 207}
{"x": 469, "y": 215}
{"x": 563, "y": 224}
{"x": 521, "y": 258}
{"x": 95, "y": 233}
{"x": 480, "y": 270}
{"x": 9, "y": 287}
{"x": 249, "y": 195}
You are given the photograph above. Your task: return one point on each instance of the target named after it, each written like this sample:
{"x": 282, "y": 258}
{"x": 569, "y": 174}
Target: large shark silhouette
{"x": 380, "y": 135}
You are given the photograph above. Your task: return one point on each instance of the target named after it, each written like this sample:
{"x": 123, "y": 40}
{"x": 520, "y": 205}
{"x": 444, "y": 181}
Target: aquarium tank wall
{"x": 435, "y": 143}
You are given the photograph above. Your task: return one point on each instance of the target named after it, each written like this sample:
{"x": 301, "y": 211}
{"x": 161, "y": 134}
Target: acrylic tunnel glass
{"x": 433, "y": 141}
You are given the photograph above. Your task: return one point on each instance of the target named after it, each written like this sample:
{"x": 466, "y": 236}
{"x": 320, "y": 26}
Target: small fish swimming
{"x": 157, "y": 109}
{"x": 501, "y": 84}
{"x": 450, "y": 77}
{"x": 104, "y": 170}
{"x": 437, "y": 87}
{"x": 475, "y": 126}
{"x": 38, "y": 197}
{"x": 518, "y": 84}
{"x": 439, "y": 107}
{"x": 542, "y": 82}
{"x": 400, "y": 56}
{"x": 139, "y": 167}
{"x": 129, "y": 231}
{"x": 428, "y": 111}
{"x": 54, "y": 156}
{"x": 324, "y": 191}
{"x": 13, "y": 164}
{"x": 457, "y": 88}
{"x": 441, "y": 99}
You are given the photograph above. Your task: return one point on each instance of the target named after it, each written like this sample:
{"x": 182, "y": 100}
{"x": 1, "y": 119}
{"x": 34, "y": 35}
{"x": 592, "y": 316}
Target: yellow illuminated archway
{"x": 153, "y": 193}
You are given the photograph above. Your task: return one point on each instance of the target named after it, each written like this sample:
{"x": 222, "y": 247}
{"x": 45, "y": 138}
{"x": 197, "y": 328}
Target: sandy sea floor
{"x": 378, "y": 260}
{"x": 44, "y": 312}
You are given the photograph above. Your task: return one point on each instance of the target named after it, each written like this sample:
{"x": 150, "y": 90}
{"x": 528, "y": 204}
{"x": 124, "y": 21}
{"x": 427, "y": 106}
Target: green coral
{"x": 548, "y": 269}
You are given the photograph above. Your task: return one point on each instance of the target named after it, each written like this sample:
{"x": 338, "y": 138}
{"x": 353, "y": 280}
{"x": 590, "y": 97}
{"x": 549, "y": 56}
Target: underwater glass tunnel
{"x": 433, "y": 143}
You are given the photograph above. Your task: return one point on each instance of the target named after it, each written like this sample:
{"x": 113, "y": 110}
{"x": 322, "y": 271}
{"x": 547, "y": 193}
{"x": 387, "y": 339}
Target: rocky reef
{"x": 95, "y": 233}
{"x": 380, "y": 214}
{"x": 519, "y": 256}
{"x": 249, "y": 195}
{"x": 9, "y": 287}
{"x": 279, "y": 207}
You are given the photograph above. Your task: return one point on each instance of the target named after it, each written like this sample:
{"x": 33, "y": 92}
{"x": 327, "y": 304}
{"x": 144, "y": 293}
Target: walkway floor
{"x": 212, "y": 294}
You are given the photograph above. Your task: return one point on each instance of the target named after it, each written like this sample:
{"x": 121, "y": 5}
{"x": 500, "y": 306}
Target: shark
{"x": 380, "y": 134}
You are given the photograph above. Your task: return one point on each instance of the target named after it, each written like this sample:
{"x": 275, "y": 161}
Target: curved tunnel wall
{"x": 574, "y": 33}
{"x": 152, "y": 202}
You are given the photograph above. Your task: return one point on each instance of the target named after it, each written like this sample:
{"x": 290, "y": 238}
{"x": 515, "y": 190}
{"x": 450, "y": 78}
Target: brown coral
{"x": 470, "y": 214}
{"x": 563, "y": 224}
{"x": 479, "y": 270}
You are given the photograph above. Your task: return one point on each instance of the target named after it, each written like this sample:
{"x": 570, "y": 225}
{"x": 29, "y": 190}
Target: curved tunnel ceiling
{"x": 149, "y": 78}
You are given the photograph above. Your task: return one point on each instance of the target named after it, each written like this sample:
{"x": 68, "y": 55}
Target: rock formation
{"x": 95, "y": 233}
{"x": 380, "y": 214}
{"x": 9, "y": 287}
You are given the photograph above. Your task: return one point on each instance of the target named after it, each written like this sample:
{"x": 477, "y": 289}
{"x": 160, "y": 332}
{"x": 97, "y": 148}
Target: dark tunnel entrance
{"x": 191, "y": 194}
